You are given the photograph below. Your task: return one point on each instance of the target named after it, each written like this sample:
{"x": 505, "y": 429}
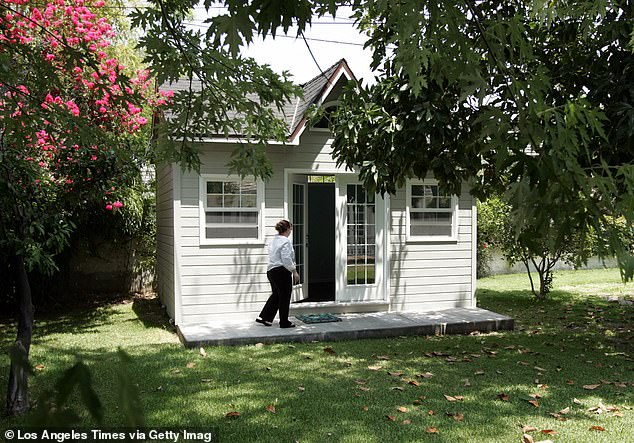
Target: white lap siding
{"x": 219, "y": 282}
{"x": 165, "y": 237}
{"x": 431, "y": 275}
{"x": 229, "y": 281}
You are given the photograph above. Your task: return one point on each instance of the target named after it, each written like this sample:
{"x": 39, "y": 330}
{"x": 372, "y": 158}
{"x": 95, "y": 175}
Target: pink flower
{"x": 108, "y": 207}
{"x": 117, "y": 204}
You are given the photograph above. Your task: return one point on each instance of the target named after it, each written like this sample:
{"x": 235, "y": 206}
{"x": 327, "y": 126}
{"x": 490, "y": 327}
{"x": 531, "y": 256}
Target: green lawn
{"x": 572, "y": 340}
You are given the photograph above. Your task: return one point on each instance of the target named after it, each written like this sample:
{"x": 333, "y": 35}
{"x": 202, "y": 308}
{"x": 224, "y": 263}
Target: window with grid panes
{"x": 231, "y": 209}
{"x": 431, "y": 214}
{"x": 361, "y": 236}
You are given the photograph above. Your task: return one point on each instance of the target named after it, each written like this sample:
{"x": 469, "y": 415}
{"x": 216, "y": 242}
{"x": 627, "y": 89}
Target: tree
{"x": 529, "y": 98}
{"x": 531, "y": 245}
{"x": 228, "y": 95}
{"x": 68, "y": 119}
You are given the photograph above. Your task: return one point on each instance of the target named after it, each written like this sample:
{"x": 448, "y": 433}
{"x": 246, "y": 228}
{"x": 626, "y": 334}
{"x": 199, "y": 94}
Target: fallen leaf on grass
{"x": 190, "y": 365}
{"x": 430, "y": 412}
{"x": 526, "y": 429}
{"x": 456, "y": 416}
{"x": 413, "y": 383}
{"x": 39, "y": 367}
{"x": 526, "y": 438}
{"x": 203, "y": 352}
{"x": 259, "y": 345}
{"x": 206, "y": 380}
{"x": 564, "y": 411}
{"x": 391, "y": 417}
{"x": 454, "y": 398}
{"x": 397, "y": 388}
{"x": 417, "y": 402}
{"x": 301, "y": 388}
{"x": 590, "y": 387}
{"x": 597, "y": 428}
{"x": 406, "y": 422}
{"x": 466, "y": 383}
{"x": 502, "y": 396}
{"x": 329, "y": 350}
{"x": 271, "y": 409}
{"x": 365, "y": 409}
{"x": 478, "y": 373}
{"x": 537, "y": 368}
{"x": 432, "y": 431}
{"x": 548, "y": 432}
{"x": 375, "y": 368}
{"x": 232, "y": 414}
{"x": 402, "y": 409}
{"x": 382, "y": 357}
{"x": 425, "y": 375}
{"x": 395, "y": 374}
{"x": 577, "y": 401}
{"x": 534, "y": 403}
{"x": 364, "y": 388}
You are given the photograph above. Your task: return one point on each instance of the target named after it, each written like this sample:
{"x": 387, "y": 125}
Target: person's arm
{"x": 287, "y": 260}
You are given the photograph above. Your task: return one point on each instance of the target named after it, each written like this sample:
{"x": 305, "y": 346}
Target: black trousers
{"x": 281, "y": 281}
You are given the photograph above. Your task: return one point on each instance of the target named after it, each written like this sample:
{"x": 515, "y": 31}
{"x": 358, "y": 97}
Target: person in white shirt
{"x": 282, "y": 274}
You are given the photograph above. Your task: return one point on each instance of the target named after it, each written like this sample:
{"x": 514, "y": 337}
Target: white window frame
{"x": 202, "y": 201}
{"x": 408, "y": 209}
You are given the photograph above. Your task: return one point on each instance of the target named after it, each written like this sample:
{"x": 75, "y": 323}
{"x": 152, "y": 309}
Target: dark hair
{"x": 282, "y": 226}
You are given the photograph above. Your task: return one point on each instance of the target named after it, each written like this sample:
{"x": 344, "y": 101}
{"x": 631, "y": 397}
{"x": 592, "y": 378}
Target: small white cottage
{"x": 356, "y": 252}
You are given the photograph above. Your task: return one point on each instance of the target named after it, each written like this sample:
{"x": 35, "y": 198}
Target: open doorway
{"x": 317, "y": 253}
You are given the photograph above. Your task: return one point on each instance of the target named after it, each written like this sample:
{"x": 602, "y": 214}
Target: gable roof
{"x": 316, "y": 90}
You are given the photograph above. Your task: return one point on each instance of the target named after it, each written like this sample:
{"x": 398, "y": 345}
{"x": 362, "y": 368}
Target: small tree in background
{"x": 538, "y": 246}
{"x": 69, "y": 121}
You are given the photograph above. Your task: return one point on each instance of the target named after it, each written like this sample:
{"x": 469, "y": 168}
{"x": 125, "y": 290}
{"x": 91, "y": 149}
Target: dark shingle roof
{"x": 293, "y": 111}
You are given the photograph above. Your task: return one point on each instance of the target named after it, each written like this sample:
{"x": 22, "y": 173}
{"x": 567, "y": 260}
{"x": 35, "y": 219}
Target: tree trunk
{"x": 17, "y": 392}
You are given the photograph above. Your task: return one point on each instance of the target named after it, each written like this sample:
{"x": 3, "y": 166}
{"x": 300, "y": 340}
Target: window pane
{"x": 249, "y": 201}
{"x": 214, "y": 201}
{"x": 215, "y": 233}
{"x": 444, "y": 202}
{"x": 350, "y": 191}
{"x": 214, "y": 187}
{"x": 214, "y": 217}
{"x": 418, "y": 190}
{"x": 231, "y": 188}
{"x": 250, "y": 218}
{"x": 417, "y": 202}
{"x": 249, "y": 187}
{"x": 420, "y": 230}
{"x": 231, "y": 201}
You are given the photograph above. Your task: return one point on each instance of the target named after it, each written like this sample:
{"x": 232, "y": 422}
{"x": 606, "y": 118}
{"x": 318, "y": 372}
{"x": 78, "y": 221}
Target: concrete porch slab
{"x": 352, "y": 327}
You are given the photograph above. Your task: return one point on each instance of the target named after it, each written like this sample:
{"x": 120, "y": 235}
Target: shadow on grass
{"x": 331, "y": 404}
{"x": 149, "y": 311}
{"x": 560, "y": 340}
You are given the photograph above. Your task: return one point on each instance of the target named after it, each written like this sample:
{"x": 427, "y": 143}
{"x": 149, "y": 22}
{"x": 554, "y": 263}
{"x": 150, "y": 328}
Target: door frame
{"x": 341, "y": 254}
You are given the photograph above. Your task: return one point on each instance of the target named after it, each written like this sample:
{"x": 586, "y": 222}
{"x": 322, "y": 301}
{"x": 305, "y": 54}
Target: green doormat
{"x": 317, "y": 318}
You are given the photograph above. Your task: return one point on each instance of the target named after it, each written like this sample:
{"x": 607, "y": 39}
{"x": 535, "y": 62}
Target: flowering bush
{"x": 70, "y": 120}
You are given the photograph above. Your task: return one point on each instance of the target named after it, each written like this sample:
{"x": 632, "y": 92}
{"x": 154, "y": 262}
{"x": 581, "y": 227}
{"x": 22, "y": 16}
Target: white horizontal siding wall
{"x": 427, "y": 276}
{"x": 165, "y": 237}
{"x": 221, "y": 282}
{"x": 229, "y": 281}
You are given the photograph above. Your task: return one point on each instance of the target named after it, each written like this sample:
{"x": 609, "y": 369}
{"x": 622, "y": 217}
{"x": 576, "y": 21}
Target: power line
{"x": 314, "y": 59}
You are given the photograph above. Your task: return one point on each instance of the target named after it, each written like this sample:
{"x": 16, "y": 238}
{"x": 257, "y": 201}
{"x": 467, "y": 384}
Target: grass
{"x": 574, "y": 338}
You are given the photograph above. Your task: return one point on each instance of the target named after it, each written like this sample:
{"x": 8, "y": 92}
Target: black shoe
{"x": 287, "y": 325}
{"x": 264, "y": 322}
